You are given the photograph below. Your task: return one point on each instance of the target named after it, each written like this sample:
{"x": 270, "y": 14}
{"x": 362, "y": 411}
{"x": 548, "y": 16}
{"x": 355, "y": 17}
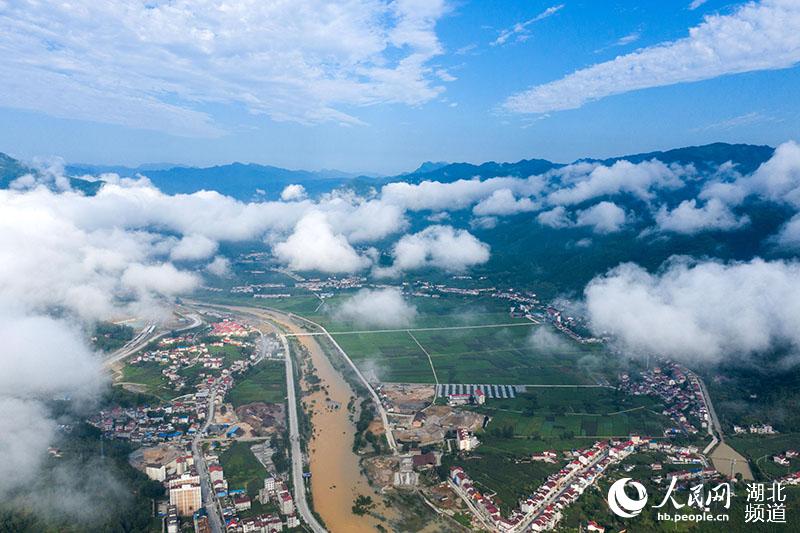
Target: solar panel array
{"x": 491, "y": 391}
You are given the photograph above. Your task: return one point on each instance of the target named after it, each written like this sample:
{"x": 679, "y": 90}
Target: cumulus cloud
{"x": 777, "y": 179}
{"x": 689, "y": 219}
{"x": 314, "y": 246}
{"x": 503, "y": 202}
{"x": 699, "y": 311}
{"x": 193, "y": 247}
{"x": 381, "y": 308}
{"x": 220, "y": 266}
{"x": 604, "y": 217}
{"x": 583, "y": 182}
{"x": 555, "y": 217}
{"x": 154, "y": 65}
{"x": 293, "y": 192}
{"x": 442, "y": 247}
{"x": 163, "y": 279}
{"x": 459, "y": 194}
{"x": 756, "y": 36}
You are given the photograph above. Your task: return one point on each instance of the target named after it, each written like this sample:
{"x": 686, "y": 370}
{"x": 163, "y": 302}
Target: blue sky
{"x": 372, "y": 86}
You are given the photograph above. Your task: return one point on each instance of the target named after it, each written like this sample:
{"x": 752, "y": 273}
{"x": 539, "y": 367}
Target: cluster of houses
{"x": 755, "y": 429}
{"x": 543, "y": 509}
{"x": 333, "y": 282}
{"x": 791, "y": 479}
{"x": 234, "y": 502}
{"x": 679, "y": 389}
{"x": 181, "y": 352}
{"x": 174, "y": 422}
{"x": 567, "y": 325}
{"x": 784, "y": 459}
{"x": 252, "y": 288}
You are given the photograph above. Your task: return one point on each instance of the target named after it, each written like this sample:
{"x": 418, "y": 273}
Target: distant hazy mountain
{"x": 240, "y": 180}
{"x": 11, "y": 169}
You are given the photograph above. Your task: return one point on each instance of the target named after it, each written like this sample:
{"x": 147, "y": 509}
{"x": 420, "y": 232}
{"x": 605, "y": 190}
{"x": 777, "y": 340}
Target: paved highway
{"x": 210, "y": 501}
{"x": 297, "y": 454}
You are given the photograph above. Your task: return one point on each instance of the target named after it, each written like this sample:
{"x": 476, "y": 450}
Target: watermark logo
{"x": 621, "y": 504}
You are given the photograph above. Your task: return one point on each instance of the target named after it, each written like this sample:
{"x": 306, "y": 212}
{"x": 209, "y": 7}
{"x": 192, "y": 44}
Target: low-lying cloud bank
{"x": 381, "y": 308}
{"x": 701, "y": 312}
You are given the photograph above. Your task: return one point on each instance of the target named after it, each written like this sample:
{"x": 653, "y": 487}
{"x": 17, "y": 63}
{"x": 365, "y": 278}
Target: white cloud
{"x": 23, "y": 443}
{"x": 704, "y": 311}
{"x": 789, "y": 234}
{"x": 519, "y": 31}
{"x": 162, "y": 279}
{"x": 441, "y": 247}
{"x": 546, "y": 341}
{"x": 159, "y": 65}
{"x": 689, "y": 219}
{"x": 637, "y": 179}
{"x": 696, "y": 3}
{"x": 459, "y": 194}
{"x": 293, "y": 192}
{"x": 778, "y": 179}
{"x": 555, "y": 217}
{"x": 604, "y": 217}
{"x": 382, "y": 308}
{"x": 503, "y": 202}
{"x": 193, "y": 247}
{"x": 314, "y": 246}
{"x": 628, "y": 39}
{"x": 220, "y": 266}
{"x": 757, "y": 36}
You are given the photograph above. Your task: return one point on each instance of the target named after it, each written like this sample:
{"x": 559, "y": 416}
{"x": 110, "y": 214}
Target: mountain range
{"x": 554, "y": 260}
{"x": 245, "y": 181}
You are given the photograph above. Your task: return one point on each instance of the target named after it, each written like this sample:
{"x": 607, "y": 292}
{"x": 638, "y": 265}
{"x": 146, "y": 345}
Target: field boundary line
{"x": 435, "y": 378}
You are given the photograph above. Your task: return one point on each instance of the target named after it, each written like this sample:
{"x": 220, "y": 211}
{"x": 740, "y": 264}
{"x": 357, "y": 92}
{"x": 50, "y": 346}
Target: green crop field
{"x": 502, "y": 355}
{"x": 149, "y": 375}
{"x": 565, "y": 418}
{"x": 264, "y": 383}
{"x": 760, "y": 449}
{"x": 242, "y": 469}
{"x": 503, "y": 474}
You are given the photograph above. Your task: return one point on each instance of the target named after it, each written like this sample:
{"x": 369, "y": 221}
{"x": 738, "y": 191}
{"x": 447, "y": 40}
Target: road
{"x": 297, "y": 454}
{"x": 714, "y": 426}
{"x": 210, "y": 501}
{"x": 149, "y": 333}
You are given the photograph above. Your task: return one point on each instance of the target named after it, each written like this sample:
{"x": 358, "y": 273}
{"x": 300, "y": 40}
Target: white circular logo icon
{"x": 621, "y": 503}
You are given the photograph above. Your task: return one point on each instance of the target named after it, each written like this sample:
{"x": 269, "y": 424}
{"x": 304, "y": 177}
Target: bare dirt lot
{"x": 439, "y": 419}
{"x": 408, "y": 398}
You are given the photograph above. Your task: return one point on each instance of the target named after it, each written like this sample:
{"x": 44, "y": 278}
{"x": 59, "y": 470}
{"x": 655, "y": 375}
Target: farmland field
{"x": 264, "y": 383}
{"x": 470, "y": 355}
{"x": 566, "y": 418}
{"x": 149, "y": 375}
{"x": 242, "y": 469}
{"x": 759, "y": 450}
{"x": 500, "y": 473}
